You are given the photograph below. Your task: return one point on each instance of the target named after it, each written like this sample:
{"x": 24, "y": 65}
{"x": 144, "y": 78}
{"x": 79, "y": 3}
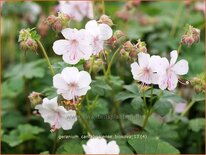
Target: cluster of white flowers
{"x": 77, "y": 10}
{"x": 157, "y": 70}
{"x": 81, "y": 44}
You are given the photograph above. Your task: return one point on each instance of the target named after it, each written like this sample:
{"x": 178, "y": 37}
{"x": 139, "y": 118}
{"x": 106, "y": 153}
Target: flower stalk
{"x": 46, "y": 57}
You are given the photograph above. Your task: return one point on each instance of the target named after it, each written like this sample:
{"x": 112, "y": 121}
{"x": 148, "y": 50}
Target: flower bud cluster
{"x": 191, "y": 35}
{"x": 58, "y": 22}
{"x": 130, "y": 51}
{"x": 26, "y": 40}
{"x": 198, "y": 83}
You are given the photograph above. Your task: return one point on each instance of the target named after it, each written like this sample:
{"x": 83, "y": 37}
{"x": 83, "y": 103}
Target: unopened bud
{"x": 31, "y": 44}
{"x": 23, "y": 46}
{"x": 118, "y": 34}
{"x": 51, "y": 19}
{"x": 124, "y": 54}
{"x": 105, "y": 20}
{"x": 141, "y": 46}
{"x": 128, "y": 46}
{"x": 35, "y": 99}
{"x": 57, "y": 26}
{"x": 198, "y": 83}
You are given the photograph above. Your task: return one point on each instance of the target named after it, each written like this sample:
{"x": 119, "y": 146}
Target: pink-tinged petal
{"x": 136, "y": 70}
{"x": 105, "y": 31}
{"x": 61, "y": 46}
{"x": 180, "y": 107}
{"x": 85, "y": 51}
{"x": 154, "y": 78}
{"x": 173, "y": 56}
{"x": 143, "y": 59}
{"x": 59, "y": 82}
{"x": 181, "y": 67}
{"x": 172, "y": 81}
{"x": 112, "y": 148}
{"x": 163, "y": 66}
{"x": 155, "y": 63}
{"x": 69, "y": 33}
{"x": 70, "y": 59}
{"x": 92, "y": 27}
{"x": 70, "y": 74}
{"x": 162, "y": 82}
{"x": 84, "y": 79}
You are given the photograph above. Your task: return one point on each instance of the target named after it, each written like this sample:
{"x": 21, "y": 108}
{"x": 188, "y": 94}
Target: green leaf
{"x": 70, "y": 147}
{"x": 137, "y": 103}
{"x": 132, "y": 88}
{"x": 124, "y": 95}
{"x": 12, "y": 87}
{"x": 22, "y": 133}
{"x": 28, "y": 70}
{"x": 152, "y": 145}
{"x": 99, "y": 108}
{"x": 99, "y": 86}
{"x": 197, "y": 124}
{"x": 199, "y": 97}
{"x": 162, "y": 106}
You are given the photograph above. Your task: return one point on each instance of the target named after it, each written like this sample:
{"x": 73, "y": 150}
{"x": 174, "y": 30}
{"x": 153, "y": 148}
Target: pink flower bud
{"x": 51, "y": 19}
{"x": 57, "y": 26}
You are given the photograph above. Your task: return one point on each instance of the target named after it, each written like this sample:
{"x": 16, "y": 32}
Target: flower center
{"x": 74, "y": 42}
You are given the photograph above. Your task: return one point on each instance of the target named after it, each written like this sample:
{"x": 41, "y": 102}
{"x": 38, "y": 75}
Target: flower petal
{"x": 68, "y": 59}
{"x": 95, "y": 146}
{"x": 92, "y": 27}
{"x": 143, "y": 59}
{"x": 69, "y": 33}
{"x": 173, "y": 56}
{"x": 172, "y": 81}
{"x": 84, "y": 79}
{"x": 59, "y": 82}
{"x": 155, "y": 63}
{"x": 105, "y": 31}
{"x": 82, "y": 91}
{"x": 181, "y": 67}
{"x": 67, "y": 119}
{"x": 70, "y": 74}
{"x": 112, "y": 148}
{"x": 162, "y": 81}
{"x": 136, "y": 70}
{"x": 60, "y": 46}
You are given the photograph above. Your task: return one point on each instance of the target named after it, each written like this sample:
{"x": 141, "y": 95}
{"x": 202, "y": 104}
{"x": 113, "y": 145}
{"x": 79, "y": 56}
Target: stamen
{"x": 184, "y": 82}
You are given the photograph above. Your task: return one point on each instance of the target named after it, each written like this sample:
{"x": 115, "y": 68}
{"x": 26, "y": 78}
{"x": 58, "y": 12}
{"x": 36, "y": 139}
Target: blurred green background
{"x": 160, "y": 24}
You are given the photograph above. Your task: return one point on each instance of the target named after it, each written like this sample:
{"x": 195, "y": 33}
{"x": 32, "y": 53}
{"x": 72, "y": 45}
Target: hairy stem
{"x": 84, "y": 122}
{"x": 103, "y": 7}
{"x": 110, "y": 63}
{"x": 46, "y": 56}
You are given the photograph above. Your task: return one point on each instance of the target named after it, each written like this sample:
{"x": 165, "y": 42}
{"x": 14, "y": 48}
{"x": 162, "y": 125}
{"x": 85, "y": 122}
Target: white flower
{"x": 71, "y": 83}
{"x": 100, "y": 146}
{"x": 146, "y": 70}
{"x": 75, "y": 47}
{"x": 99, "y": 33}
{"x": 77, "y": 10}
{"x": 170, "y": 70}
{"x": 56, "y": 116}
